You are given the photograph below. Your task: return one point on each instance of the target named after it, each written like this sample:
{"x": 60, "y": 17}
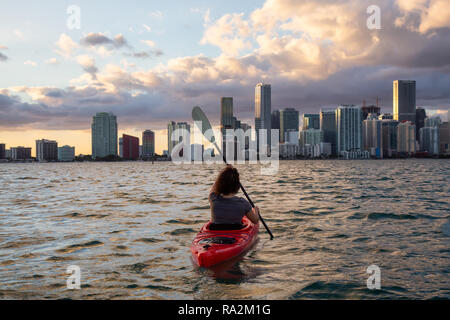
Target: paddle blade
{"x": 199, "y": 116}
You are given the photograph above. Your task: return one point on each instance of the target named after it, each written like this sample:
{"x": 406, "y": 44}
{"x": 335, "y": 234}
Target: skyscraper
{"x": 172, "y": 126}
{"x": 104, "y": 135}
{"x": 389, "y": 137}
{"x": 328, "y": 127}
{"x": 263, "y": 109}
{"x": 226, "y": 113}
{"x": 130, "y": 147}
{"x": 420, "y": 121}
{"x": 311, "y": 121}
{"x": 348, "y": 125}
{"x": 406, "y": 138}
{"x": 20, "y": 153}
{"x": 46, "y": 150}
{"x": 404, "y": 104}
{"x": 148, "y": 143}
{"x": 275, "y": 121}
{"x": 372, "y": 131}
{"x": 288, "y": 121}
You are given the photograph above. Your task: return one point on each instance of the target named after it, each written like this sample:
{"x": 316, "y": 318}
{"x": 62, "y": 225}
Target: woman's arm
{"x": 253, "y": 215}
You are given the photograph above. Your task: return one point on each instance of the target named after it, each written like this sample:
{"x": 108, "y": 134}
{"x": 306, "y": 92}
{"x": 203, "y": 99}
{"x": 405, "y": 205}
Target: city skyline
{"x": 141, "y": 70}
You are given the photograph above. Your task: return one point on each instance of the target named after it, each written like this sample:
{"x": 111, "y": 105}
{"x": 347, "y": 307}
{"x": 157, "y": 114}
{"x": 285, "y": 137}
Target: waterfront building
{"x": 328, "y": 127}
{"x": 104, "y": 135}
{"x": 421, "y": 115}
{"x": 197, "y": 151}
{"x": 310, "y": 137}
{"x": 429, "y": 140}
{"x": 263, "y": 110}
{"x": 172, "y": 126}
{"x": 20, "y": 153}
{"x": 292, "y": 136}
{"x": 66, "y": 153}
{"x": 2, "y": 151}
{"x": 404, "y": 104}
{"x": 311, "y": 121}
{"x": 148, "y": 143}
{"x": 130, "y": 147}
{"x": 8, "y": 154}
{"x": 406, "y": 138}
{"x": 348, "y": 125}
{"x": 432, "y": 122}
{"x": 121, "y": 147}
{"x": 372, "y": 131}
{"x": 389, "y": 137}
{"x": 386, "y": 116}
{"x": 289, "y": 121}
{"x": 46, "y": 150}
{"x": 444, "y": 138}
{"x": 276, "y": 121}
{"x": 289, "y": 150}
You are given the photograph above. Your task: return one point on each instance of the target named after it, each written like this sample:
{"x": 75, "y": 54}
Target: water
{"x": 128, "y": 226}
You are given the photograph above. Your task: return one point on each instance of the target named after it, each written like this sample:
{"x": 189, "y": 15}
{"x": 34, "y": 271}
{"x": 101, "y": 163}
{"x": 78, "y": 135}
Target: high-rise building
{"x": 226, "y": 113}
{"x": 366, "y": 110}
{"x": 444, "y": 137}
{"x": 404, "y": 104}
{"x": 311, "y": 121}
{"x": 328, "y": 127}
{"x": 429, "y": 140}
{"x": 275, "y": 121}
{"x": 20, "y": 153}
{"x": 289, "y": 121}
{"x": 372, "y": 131}
{"x": 263, "y": 109}
{"x": 148, "y": 143}
{"x": 2, "y": 151}
{"x": 310, "y": 137}
{"x": 130, "y": 147}
{"x": 46, "y": 150}
{"x": 420, "y": 121}
{"x": 172, "y": 126}
{"x": 104, "y": 135}
{"x": 66, "y": 153}
{"x": 386, "y": 116}
{"x": 406, "y": 138}
{"x": 389, "y": 137}
{"x": 348, "y": 125}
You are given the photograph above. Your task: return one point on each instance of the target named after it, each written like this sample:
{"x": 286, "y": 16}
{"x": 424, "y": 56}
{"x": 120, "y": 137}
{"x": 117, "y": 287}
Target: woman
{"x": 227, "y": 210}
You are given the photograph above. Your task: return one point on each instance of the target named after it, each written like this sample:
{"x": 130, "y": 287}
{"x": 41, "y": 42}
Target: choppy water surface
{"x": 128, "y": 226}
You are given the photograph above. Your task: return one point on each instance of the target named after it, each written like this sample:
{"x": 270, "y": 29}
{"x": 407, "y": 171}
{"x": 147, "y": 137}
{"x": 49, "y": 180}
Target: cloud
{"x": 99, "y": 39}
{"x": 52, "y": 61}
{"x": 423, "y": 15}
{"x": 88, "y": 64}
{"x": 66, "y": 46}
{"x": 229, "y": 33}
{"x": 3, "y": 57}
{"x": 145, "y": 54}
{"x": 30, "y": 63}
{"x": 150, "y": 43}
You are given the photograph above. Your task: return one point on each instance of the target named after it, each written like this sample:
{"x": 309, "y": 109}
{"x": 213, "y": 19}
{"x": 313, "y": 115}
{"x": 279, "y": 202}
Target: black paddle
{"x": 199, "y": 115}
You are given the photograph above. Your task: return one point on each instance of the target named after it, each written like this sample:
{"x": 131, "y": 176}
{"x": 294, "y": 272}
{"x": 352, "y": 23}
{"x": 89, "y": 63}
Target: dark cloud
{"x": 145, "y": 54}
{"x": 98, "y": 39}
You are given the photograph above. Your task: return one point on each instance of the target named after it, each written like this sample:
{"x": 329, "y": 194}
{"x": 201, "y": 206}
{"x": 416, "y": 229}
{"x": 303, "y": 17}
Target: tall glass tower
{"x": 263, "y": 109}
{"x": 288, "y": 121}
{"x": 348, "y": 125}
{"x": 404, "y": 104}
{"x": 104, "y": 135}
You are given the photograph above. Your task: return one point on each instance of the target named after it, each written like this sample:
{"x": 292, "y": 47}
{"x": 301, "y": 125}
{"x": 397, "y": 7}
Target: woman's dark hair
{"x": 227, "y": 182}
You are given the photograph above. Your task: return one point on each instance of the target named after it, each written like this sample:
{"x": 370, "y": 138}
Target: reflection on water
{"x": 128, "y": 226}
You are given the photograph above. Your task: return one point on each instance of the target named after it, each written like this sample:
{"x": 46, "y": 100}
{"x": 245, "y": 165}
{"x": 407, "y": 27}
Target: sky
{"x": 150, "y": 62}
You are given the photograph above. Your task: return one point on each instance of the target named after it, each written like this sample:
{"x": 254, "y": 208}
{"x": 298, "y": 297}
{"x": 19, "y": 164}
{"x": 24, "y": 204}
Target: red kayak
{"x": 211, "y": 247}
